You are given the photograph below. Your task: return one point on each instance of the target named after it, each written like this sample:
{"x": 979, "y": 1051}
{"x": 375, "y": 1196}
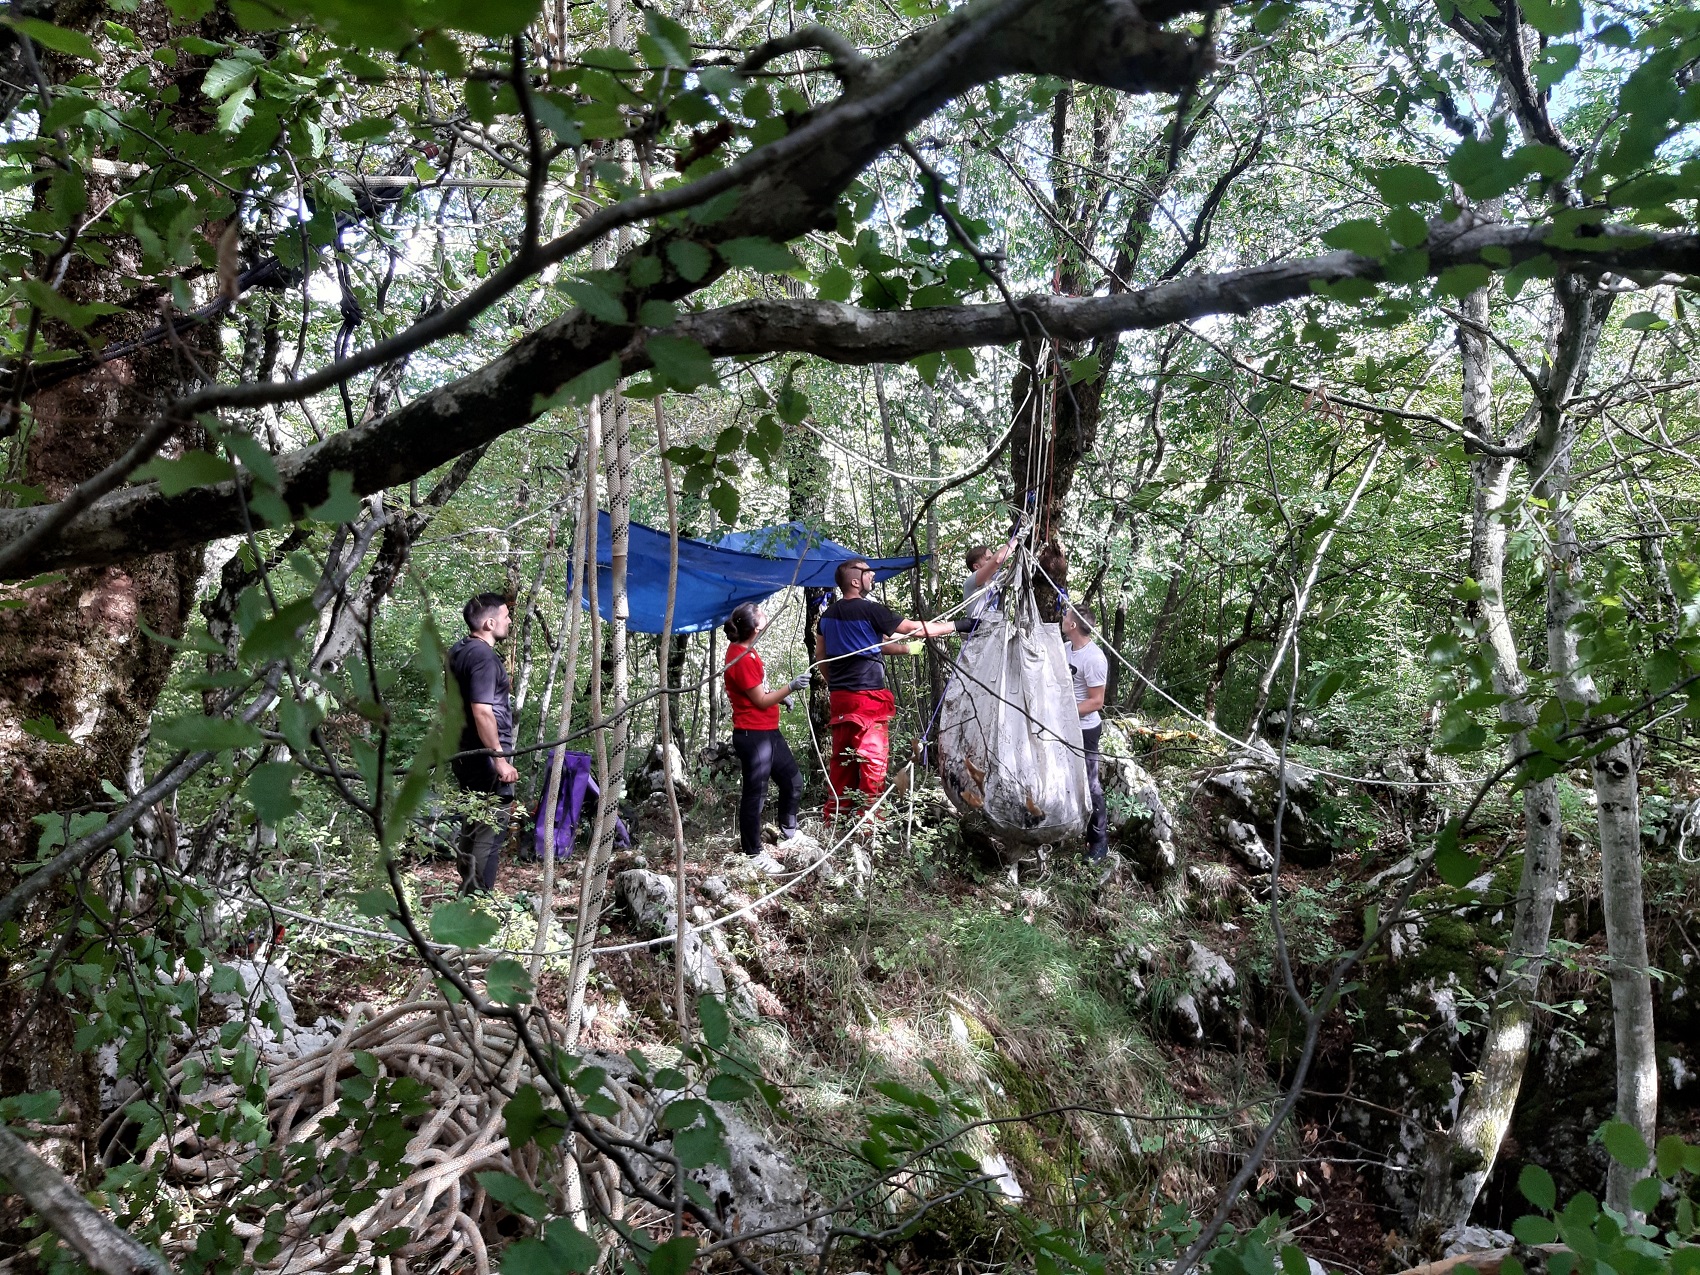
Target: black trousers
{"x": 764, "y": 756}
{"x": 479, "y": 846}
{"x": 1098, "y": 830}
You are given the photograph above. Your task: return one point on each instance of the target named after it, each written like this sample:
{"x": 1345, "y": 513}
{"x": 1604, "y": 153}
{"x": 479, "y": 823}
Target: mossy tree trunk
{"x": 74, "y": 656}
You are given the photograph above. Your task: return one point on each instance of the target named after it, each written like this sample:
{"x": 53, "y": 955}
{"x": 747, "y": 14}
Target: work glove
{"x": 917, "y": 647}
{"x": 799, "y": 683}
{"x": 965, "y": 626}
{"x": 786, "y": 704}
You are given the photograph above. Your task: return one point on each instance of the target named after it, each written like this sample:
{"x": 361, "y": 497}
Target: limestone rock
{"x": 1250, "y": 791}
{"x": 648, "y": 896}
{"x": 762, "y": 1190}
{"x": 1246, "y": 846}
{"x": 651, "y": 776}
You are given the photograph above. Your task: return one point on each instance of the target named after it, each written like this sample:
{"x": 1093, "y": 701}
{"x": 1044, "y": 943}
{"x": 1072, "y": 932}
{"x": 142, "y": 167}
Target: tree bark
{"x": 434, "y": 428}
{"x": 1459, "y": 1163}
{"x": 75, "y": 655}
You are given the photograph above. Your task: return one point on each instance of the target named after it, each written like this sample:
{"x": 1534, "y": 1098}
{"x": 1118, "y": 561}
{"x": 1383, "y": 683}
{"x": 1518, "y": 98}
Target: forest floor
{"x": 1015, "y": 986}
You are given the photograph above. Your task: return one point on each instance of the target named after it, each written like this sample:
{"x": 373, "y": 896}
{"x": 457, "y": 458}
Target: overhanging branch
{"x": 437, "y": 427}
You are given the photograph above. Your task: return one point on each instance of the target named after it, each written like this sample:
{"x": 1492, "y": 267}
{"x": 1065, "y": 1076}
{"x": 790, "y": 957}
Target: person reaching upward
{"x": 856, "y": 635}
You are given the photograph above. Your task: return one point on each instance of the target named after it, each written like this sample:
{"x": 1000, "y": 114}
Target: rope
{"x": 662, "y": 941}
{"x": 1246, "y": 744}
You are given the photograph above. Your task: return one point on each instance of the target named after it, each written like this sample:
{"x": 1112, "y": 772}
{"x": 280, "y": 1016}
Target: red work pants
{"x": 861, "y": 749}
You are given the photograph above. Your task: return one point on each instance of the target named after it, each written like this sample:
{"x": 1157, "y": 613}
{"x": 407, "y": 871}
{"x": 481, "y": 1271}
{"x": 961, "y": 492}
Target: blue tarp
{"x": 714, "y": 578}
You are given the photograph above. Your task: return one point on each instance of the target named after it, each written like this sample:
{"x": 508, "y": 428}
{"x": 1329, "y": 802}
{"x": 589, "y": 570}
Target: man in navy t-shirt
{"x": 855, "y": 638}
{"x": 486, "y": 737}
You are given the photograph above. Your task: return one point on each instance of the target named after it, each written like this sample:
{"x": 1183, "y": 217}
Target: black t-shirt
{"x": 851, "y": 631}
{"x": 478, "y": 671}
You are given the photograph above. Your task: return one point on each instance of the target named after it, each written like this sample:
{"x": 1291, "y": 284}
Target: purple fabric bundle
{"x": 576, "y": 786}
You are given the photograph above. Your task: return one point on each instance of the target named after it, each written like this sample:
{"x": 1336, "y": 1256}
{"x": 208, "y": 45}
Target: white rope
{"x": 1246, "y": 744}
{"x": 665, "y": 939}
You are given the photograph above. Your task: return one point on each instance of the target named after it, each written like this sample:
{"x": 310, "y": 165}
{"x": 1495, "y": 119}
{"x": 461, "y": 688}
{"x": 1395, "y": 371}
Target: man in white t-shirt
{"x": 1091, "y": 674}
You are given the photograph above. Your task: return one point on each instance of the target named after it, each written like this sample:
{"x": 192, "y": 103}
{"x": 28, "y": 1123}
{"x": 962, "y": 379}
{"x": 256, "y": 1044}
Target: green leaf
{"x": 497, "y": 19}
{"x": 674, "y": 1257}
{"x": 377, "y": 902}
{"x": 724, "y": 1088}
{"x": 276, "y": 636}
{"x": 506, "y": 1189}
{"x": 1645, "y": 321}
{"x": 342, "y": 505}
{"x": 1645, "y": 1195}
{"x": 33, "y": 1107}
{"x": 1552, "y": 18}
{"x": 1480, "y": 167}
{"x": 1624, "y": 1144}
{"x": 1461, "y": 281}
{"x": 523, "y": 1114}
{"x": 192, "y": 469}
{"x": 595, "y": 300}
{"x": 460, "y": 924}
{"x": 1530, "y": 1229}
{"x": 680, "y": 361}
{"x": 835, "y": 284}
{"x": 573, "y": 1250}
{"x": 254, "y": 457}
{"x": 1083, "y": 369}
{"x": 1407, "y": 184}
{"x": 58, "y": 39}
{"x": 725, "y": 500}
{"x": 507, "y": 982}
{"x": 227, "y": 75}
{"x": 207, "y": 734}
{"x": 699, "y": 1147}
{"x": 755, "y": 253}
{"x": 1453, "y": 864}
{"x": 1407, "y": 227}
{"x": 711, "y": 1016}
{"x": 583, "y": 387}
{"x": 1669, "y": 1155}
{"x": 658, "y": 314}
{"x": 44, "y": 729}
{"x": 689, "y": 258}
{"x": 1326, "y": 687}
{"x": 1406, "y": 267}
{"x": 270, "y": 790}
{"x": 1360, "y": 235}
{"x": 1537, "y": 1187}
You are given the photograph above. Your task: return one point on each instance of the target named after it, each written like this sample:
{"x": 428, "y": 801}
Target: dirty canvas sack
{"x": 1009, "y": 732}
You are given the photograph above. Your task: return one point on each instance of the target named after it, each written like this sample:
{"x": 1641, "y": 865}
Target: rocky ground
{"x": 1144, "y": 1014}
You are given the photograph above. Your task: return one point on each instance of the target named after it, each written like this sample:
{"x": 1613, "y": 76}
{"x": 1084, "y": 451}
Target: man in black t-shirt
{"x": 855, "y": 635}
{"x": 486, "y": 738}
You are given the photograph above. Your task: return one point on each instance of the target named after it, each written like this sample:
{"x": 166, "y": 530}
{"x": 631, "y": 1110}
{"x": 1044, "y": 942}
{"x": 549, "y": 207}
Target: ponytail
{"x": 741, "y": 626}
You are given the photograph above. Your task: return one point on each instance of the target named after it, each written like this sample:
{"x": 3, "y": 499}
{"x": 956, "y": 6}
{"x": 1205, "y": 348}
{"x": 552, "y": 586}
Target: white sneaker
{"x": 765, "y": 862}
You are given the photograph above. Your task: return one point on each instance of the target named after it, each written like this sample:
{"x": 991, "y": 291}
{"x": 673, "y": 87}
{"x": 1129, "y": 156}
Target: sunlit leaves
{"x": 460, "y": 923}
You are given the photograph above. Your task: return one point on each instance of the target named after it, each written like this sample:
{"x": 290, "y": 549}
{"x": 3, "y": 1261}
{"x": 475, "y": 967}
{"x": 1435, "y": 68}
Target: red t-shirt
{"x": 744, "y": 675}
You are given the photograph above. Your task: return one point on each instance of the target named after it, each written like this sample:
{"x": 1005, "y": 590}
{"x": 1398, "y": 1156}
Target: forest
{"x": 1239, "y": 814}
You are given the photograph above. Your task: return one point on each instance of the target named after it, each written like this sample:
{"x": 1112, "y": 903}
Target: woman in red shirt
{"x": 762, "y": 751}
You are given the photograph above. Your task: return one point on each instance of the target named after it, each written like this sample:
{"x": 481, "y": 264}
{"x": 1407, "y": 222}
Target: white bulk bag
{"x": 1009, "y": 732}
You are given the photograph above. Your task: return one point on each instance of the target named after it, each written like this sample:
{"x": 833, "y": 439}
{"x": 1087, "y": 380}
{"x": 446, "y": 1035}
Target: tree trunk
{"x": 1459, "y": 1163}
{"x": 1118, "y": 635}
{"x": 1626, "y": 942}
{"x": 1580, "y": 310}
{"x": 75, "y": 656}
